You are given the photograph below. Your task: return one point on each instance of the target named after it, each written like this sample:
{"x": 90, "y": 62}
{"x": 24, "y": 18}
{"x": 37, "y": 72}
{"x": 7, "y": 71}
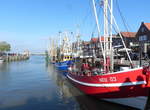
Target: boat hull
{"x": 62, "y": 67}
{"x": 119, "y": 85}
{"x": 68, "y": 62}
{"x": 135, "y": 102}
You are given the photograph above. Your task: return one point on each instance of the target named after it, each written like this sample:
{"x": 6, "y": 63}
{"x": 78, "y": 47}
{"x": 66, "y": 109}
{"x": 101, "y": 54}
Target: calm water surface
{"x": 36, "y": 85}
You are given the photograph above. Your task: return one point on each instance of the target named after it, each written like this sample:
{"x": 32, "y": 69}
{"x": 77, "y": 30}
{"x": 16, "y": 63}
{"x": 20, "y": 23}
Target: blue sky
{"x": 27, "y": 24}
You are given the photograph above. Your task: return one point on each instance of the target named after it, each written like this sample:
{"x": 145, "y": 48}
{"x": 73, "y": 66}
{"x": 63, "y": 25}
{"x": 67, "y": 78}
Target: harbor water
{"x": 36, "y": 85}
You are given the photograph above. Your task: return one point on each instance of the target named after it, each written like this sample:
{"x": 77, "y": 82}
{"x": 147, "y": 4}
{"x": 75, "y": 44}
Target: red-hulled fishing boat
{"x": 128, "y": 86}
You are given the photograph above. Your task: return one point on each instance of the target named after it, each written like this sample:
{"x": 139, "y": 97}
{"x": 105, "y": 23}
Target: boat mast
{"x": 78, "y": 42}
{"x": 105, "y": 32}
{"x": 60, "y": 39}
{"x": 98, "y": 28}
{"x": 111, "y": 48}
{"x": 53, "y": 48}
{"x": 50, "y": 49}
{"x": 117, "y": 29}
{"x": 108, "y": 21}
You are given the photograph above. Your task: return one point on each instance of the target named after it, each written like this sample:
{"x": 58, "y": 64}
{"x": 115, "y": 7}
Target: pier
{"x": 9, "y": 58}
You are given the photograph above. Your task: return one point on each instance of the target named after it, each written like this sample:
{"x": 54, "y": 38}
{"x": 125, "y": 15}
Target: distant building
{"x": 86, "y": 48}
{"x": 95, "y": 45}
{"x": 143, "y": 36}
{"x": 128, "y": 37}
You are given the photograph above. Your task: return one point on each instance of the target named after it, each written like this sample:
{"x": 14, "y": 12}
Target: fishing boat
{"x": 51, "y": 53}
{"x": 126, "y": 85}
{"x": 61, "y": 66}
{"x": 64, "y": 63}
{"x": 65, "y": 57}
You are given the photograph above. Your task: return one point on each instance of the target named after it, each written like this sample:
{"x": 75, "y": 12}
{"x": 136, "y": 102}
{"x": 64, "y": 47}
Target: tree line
{"x": 4, "y": 46}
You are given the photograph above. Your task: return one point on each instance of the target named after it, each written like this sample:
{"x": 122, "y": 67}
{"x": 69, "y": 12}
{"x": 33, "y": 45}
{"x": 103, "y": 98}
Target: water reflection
{"x": 4, "y": 67}
{"x": 30, "y": 85}
{"x": 25, "y": 85}
{"x": 67, "y": 91}
{"x": 35, "y": 85}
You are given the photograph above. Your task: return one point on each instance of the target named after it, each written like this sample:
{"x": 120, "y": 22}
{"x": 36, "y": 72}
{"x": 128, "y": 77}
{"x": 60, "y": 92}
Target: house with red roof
{"x": 95, "y": 45}
{"x": 143, "y": 36}
{"x": 128, "y": 37}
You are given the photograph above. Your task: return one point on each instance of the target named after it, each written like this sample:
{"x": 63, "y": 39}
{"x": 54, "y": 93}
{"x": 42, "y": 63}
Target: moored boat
{"x": 65, "y": 63}
{"x": 64, "y": 54}
{"x": 120, "y": 87}
{"x": 61, "y": 66}
{"x": 123, "y": 85}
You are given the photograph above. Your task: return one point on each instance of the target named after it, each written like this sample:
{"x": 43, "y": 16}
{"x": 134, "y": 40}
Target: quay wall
{"x": 15, "y": 58}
